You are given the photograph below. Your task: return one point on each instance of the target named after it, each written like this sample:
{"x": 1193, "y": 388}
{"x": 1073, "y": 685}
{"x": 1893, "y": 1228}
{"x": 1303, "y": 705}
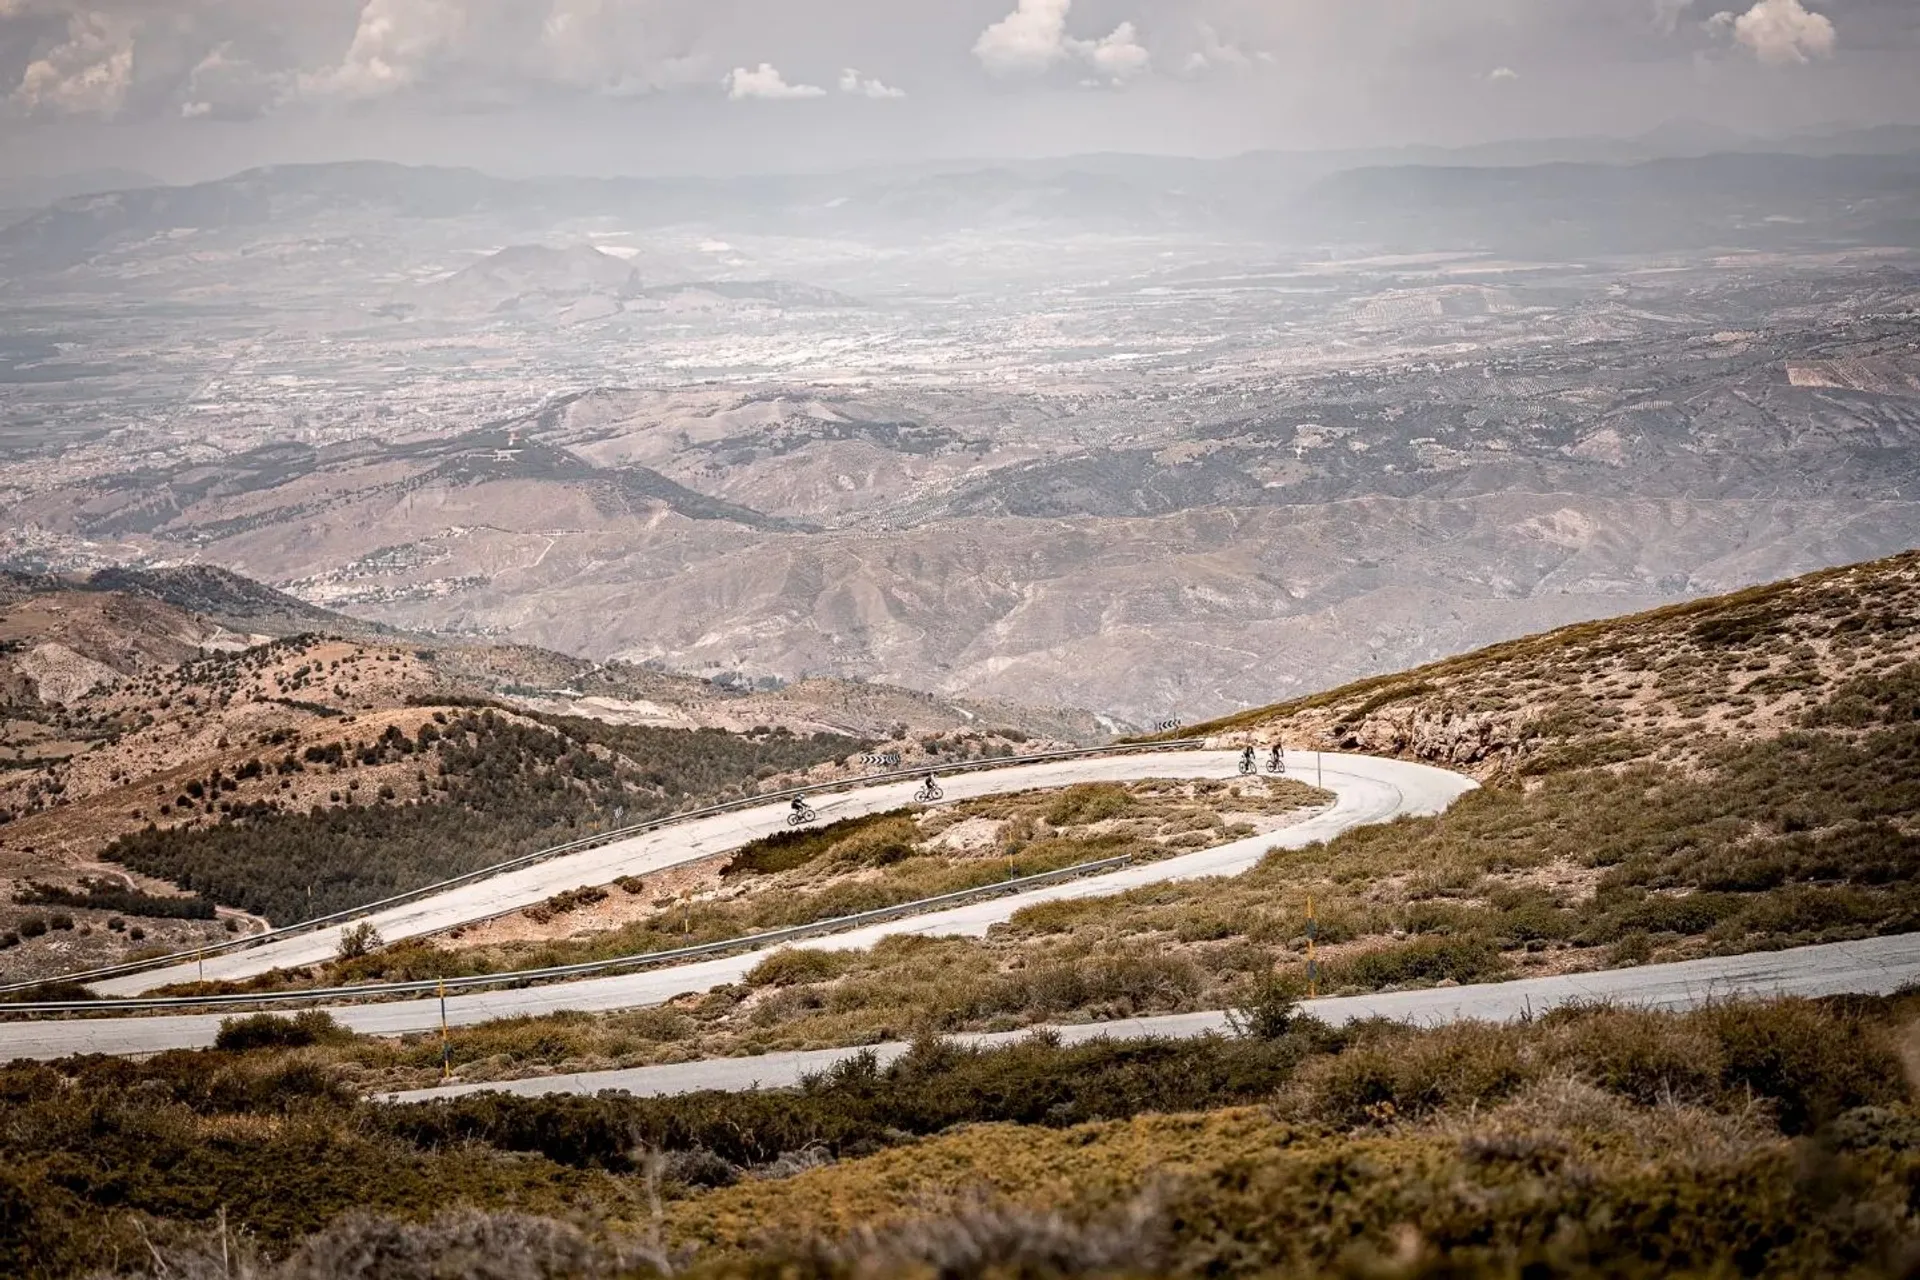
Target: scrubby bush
{"x": 274, "y": 1031}
{"x": 788, "y": 850}
{"x": 1430, "y": 959}
{"x": 358, "y": 940}
{"x": 1089, "y": 802}
{"x": 793, "y": 965}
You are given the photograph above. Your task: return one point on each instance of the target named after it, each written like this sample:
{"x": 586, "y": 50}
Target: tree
{"x": 357, "y": 940}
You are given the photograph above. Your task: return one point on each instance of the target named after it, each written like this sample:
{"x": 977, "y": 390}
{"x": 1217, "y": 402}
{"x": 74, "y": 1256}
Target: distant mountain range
{"x": 1552, "y": 197}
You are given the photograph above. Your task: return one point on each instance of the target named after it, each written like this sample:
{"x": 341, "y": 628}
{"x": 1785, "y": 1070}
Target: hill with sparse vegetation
{"x": 1737, "y": 775}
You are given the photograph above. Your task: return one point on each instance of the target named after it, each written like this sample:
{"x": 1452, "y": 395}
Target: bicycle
{"x": 1248, "y": 768}
{"x": 1276, "y": 766}
{"x": 928, "y": 793}
{"x": 801, "y": 817}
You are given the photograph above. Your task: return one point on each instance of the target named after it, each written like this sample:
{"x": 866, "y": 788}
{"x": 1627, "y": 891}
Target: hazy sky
{"x": 192, "y": 88}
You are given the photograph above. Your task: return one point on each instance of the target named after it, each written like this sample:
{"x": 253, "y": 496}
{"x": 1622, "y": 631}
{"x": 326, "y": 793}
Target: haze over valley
{"x": 1157, "y": 438}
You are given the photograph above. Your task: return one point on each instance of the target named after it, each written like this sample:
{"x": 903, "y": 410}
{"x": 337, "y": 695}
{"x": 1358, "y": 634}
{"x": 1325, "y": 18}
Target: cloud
{"x": 1780, "y": 32}
{"x": 766, "y": 82}
{"x": 1027, "y": 41}
{"x": 394, "y": 44}
{"x": 226, "y": 86}
{"x": 1119, "y": 57}
{"x": 1503, "y": 75}
{"x": 1033, "y": 39}
{"x": 89, "y": 74}
{"x": 1215, "y": 53}
{"x": 852, "y": 82}
{"x": 501, "y": 51}
{"x": 619, "y": 48}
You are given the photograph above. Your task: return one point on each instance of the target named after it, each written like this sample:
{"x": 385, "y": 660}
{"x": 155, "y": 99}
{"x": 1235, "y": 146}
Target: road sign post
{"x": 1313, "y": 964}
{"x": 446, "y": 1045}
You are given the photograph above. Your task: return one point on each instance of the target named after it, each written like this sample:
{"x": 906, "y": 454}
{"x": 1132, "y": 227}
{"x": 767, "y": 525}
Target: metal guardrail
{"x": 425, "y": 986}
{"x": 599, "y": 840}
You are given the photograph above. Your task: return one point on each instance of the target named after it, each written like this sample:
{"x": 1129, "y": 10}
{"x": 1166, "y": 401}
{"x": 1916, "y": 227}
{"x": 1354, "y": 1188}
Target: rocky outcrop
{"x": 62, "y": 677}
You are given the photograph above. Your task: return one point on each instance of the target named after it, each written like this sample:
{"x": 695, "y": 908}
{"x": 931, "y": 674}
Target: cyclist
{"x": 1276, "y": 761}
{"x": 799, "y": 805}
{"x": 1246, "y": 758}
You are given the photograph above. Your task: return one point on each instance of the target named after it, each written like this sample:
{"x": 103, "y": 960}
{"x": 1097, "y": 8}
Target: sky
{"x": 192, "y": 89}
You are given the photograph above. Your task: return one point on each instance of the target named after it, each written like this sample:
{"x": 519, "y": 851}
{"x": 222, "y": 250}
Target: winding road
{"x": 1367, "y": 790}
{"x": 1876, "y": 966}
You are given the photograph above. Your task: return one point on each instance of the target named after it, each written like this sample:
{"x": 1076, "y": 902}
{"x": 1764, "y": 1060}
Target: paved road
{"x": 1369, "y": 790}
{"x": 1876, "y": 966}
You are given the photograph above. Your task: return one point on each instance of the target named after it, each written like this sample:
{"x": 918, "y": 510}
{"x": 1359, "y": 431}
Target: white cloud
{"x": 225, "y": 86}
{"x": 88, "y": 75}
{"x": 1119, "y": 57}
{"x": 1033, "y": 39}
{"x": 615, "y": 47}
{"x": 853, "y": 82}
{"x": 1780, "y": 32}
{"x": 393, "y": 45}
{"x": 1503, "y": 75}
{"x": 1027, "y": 41}
{"x": 1217, "y": 54}
{"x": 766, "y": 82}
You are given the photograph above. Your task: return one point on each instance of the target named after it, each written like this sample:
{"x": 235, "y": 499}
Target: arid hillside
{"x": 168, "y": 775}
{"x": 1829, "y": 651}
{"x": 1733, "y": 776}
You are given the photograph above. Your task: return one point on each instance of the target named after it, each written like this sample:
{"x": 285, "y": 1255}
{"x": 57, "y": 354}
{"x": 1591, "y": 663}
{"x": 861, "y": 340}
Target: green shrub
{"x": 273, "y": 1031}
{"x": 1089, "y": 802}
{"x": 1431, "y": 959}
{"x": 789, "y": 850}
{"x": 358, "y": 940}
{"x": 1810, "y": 1061}
{"x": 795, "y": 965}
{"x": 56, "y": 991}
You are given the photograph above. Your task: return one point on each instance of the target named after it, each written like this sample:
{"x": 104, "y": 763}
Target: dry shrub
{"x": 1089, "y": 802}
{"x": 1130, "y": 981}
{"x": 1643, "y": 1056}
{"x": 1394, "y": 1075}
{"x": 272, "y": 1031}
{"x": 1457, "y": 958}
{"x": 985, "y": 1237}
{"x": 794, "y": 965}
{"x": 1813, "y": 1061}
{"x": 464, "y": 1245}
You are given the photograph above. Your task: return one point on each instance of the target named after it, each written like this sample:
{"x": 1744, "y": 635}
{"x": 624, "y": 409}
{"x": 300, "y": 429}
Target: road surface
{"x": 1877, "y": 966}
{"x": 1368, "y": 790}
